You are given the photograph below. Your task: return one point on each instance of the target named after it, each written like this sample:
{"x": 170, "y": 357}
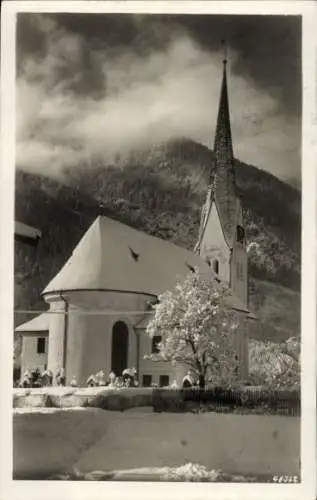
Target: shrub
{"x": 228, "y": 400}
{"x": 276, "y": 365}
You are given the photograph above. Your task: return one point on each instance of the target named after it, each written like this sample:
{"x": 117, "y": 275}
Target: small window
{"x": 155, "y": 341}
{"x": 207, "y": 260}
{"x": 215, "y": 266}
{"x": 240, "y": 234}
{"x": 164, "y": 380}
{"x": 146, "y": 380}
{"x": 41, "y": 345}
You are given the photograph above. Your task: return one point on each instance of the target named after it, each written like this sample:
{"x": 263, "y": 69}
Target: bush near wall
{"x": 241, "y": 400}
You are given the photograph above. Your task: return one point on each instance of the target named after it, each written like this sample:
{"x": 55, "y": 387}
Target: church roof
{"x": 38, "y": 324}
{"x": 114, "y": 256}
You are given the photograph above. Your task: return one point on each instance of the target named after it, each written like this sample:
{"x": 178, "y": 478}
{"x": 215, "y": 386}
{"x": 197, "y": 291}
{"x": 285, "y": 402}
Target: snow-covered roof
{"x": 38, "y": 324}
{"x": 117, "y": 257}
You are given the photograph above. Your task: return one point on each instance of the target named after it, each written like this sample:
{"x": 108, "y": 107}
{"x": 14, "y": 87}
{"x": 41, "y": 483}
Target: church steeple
{"x": 222, "y": 184}
{"x": 222, "y": 242}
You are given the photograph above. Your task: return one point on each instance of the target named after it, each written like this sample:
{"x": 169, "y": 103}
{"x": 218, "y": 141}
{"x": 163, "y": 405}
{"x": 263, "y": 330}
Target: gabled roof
{"x": 114, "y": 256}
{"x": 38, "y": 324}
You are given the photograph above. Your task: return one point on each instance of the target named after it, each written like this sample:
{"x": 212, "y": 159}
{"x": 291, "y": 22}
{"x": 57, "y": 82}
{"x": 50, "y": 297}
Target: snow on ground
{"x": 187, "y": 472}
{"x": 74, "y": 397}
{"x": 25, "y": 410}
{"x": 50, "y": 441}
{"x": 58, "y": 391}
{"x": 80, "y": 391}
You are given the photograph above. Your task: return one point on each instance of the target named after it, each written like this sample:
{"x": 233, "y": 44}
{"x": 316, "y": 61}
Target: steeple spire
{"x": 224, "y": 172}
{"x": 223, "y": 141}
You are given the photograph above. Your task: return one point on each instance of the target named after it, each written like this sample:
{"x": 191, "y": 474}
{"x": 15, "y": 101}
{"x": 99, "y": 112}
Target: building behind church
{"x": 100, "y": 300}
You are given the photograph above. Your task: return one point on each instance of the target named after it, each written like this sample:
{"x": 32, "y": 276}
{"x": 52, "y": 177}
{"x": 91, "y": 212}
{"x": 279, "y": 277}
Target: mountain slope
{"x": 162, "y": 190}
{"x": 277, "y": 309}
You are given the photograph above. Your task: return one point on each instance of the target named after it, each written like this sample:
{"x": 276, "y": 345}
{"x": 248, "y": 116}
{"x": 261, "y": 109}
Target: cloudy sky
{"x": 91, "y": 85}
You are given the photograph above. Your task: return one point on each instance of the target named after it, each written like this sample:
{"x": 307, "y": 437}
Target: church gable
{"x": 214, "y": 249}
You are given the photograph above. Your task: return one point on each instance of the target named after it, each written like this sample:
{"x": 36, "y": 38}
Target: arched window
{"x": 215, "y": 266}
{"x": 120, "y": 342}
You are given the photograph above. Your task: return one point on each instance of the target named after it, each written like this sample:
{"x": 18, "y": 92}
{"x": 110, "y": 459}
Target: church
{"x": 99, "y": 302}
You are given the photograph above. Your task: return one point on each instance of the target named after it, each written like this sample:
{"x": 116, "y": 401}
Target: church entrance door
{"x": 119, "y": 353}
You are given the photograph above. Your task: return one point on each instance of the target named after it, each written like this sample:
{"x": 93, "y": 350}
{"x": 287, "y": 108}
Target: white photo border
{"x": 33, "y": 490}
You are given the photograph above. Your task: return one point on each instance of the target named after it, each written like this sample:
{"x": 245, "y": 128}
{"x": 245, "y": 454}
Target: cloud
{"x": 79, "y": 102}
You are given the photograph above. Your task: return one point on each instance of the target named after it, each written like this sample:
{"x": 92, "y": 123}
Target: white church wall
{"x": 56, "y": 336}
{"x": 30, "y": 358}
{"x": 242, "y": 339}
{"x": 214, "y": 246}
{"x": 239, "y": 267}
{"x": 87, "y": 345}
{"x": 89, "y": 336}
{"x": 104, "y": 300}
{"x": 156, "y": 368}
{"x": 239, "y": 273}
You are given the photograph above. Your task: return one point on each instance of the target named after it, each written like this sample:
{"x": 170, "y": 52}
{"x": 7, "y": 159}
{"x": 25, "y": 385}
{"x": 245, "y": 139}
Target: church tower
{"x": 221, "y": 242}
